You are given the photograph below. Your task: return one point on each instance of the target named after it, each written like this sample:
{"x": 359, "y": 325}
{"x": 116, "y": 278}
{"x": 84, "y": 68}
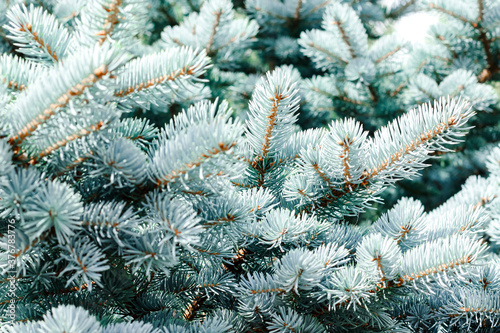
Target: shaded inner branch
{"x": 344, "y": 37}
{"x": 174, "y": 174}
{"x": 405, "y": 230}
{"x": 294, "y": 22}
{"x": 492, "y": 63}
{"x": 14, "y": 85}
{"x": 352, "y": 101}
{"x": 214, "y": 31}
{"x": 401, "y": 9}
{"x": 433, "y": 270}
{"x": 345, "y": 162}
{"x": 258, "y": 163}
{"x": 35, "y": 241}
{"x": 397, "y": 90}
{"x": 492, "y": 67}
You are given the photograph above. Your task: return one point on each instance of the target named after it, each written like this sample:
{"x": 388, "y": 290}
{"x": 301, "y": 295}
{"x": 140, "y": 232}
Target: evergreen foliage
{"x": 257, "y": 166}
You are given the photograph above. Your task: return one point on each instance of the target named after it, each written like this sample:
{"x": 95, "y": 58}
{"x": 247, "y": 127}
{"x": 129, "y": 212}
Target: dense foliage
{"x": 257, "y": 166}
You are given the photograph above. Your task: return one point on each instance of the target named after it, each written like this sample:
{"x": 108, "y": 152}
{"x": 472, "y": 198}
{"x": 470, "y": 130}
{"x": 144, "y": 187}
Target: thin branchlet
{"x": 62, "y": 101}
{"x": 156, "y": 81}
{"x": 63, "y": 142}
{"x": 111, "y": 20}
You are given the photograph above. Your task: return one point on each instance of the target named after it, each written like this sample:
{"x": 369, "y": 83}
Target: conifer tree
{"x": 135, "y": 198}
